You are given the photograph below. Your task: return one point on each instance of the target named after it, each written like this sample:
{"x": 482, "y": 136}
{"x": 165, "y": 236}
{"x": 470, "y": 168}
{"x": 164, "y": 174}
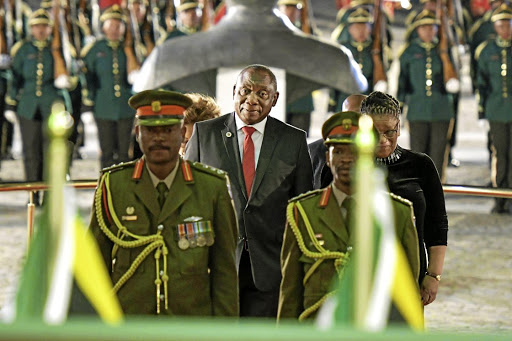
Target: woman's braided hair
{"x": 379, "y": 103}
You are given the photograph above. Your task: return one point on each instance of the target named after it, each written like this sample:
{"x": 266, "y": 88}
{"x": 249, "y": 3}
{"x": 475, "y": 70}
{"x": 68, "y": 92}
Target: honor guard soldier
{"x": 359, "y": 27}
{"x": 15, "y": 15}
{"x": 319, "y": 233}
{"x": 109, "y": 75}
{"x": 166, "y": 227}
{"x": 33, "y": 91}
{"x": 298, "y": 113}
{"x": 187, "y": 20}
{"x": 494, "y": 94}
{"x": 421, "y": 86}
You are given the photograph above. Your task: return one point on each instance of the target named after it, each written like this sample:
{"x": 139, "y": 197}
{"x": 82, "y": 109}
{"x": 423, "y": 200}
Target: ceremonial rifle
{"x": 59, "y": 62}
{"x": 131, "y": 60}
{"x": 206, "y": 15}
{"x": 19, "y": 19}
{"x": 379, "y": 73}
{"x": 96, "y": 18}
{"x": 449, "y": 71}
{"x": 155, "y": 19}
{"x": 9, "y": 34}
{"x": 134, "y": 27}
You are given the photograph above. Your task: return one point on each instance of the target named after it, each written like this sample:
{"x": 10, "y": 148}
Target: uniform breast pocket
{"x": 193, "y": 241}
{"x": 318, "y": 277}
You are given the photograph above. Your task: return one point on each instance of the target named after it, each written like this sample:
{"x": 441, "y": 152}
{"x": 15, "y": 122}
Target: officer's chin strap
{"x": 340, "y": 258}
{"x": 153, "y": 242}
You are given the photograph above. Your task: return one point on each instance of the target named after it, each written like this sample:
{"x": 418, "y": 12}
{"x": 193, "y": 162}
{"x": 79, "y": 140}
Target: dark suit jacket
{"x": 283, "y": 171}
{"x": 322, "y": 175}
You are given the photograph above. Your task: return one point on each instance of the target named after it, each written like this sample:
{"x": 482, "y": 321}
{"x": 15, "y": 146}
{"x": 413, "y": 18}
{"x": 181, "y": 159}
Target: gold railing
{"x": 92, "y": 183}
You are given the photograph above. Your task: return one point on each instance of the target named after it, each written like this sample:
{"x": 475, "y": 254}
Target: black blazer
{"x": 283, "y": 172}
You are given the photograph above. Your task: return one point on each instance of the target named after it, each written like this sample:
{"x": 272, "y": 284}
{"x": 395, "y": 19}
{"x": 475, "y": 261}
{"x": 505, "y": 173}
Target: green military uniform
{"x": 361, "y": 51}
{"x": 299, "y": 256}
{"x": 32, "y": 90}
{"x": 107, "y": 92}
{"x": 494, "y": 93}
{"x": 318, "y": 237}
{"x": 174, "y": 253}
{"x": 421, "y": 86}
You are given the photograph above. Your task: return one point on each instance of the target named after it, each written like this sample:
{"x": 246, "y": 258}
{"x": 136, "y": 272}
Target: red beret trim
{"x": 340, "y": 130}
{"x": 165, "y": 110}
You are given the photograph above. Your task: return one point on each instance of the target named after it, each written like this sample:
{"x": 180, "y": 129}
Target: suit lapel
{"x": 334, "y": 220}
{"x": 178, "y": 193}
{"x": 230, "y": 139}
{"x": 146, "y": 193}
{"x": 267, "y": 149}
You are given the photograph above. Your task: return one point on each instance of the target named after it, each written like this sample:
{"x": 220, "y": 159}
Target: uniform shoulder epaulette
{"x": 402, "y": 50}
{"x": 476, "y": 25}
{"x": 400, "y": 199}
{"x": 16, "y": 47}
{"x": 480, "y": 48}
{"x": 87, "y": 48}
{"x": 119, "y": 166}
{"x": 207, "y": 169}
{"x": 336, "y": 33}
{"x": 306, "y": 195}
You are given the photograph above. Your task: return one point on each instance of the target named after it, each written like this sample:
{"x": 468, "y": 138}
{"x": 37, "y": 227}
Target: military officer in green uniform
{"x": 166, "y": 227}
{"x": 108, "y": 88}
{"x": 359, "y": 27}
{"x": 33, "y": 91}
{"x": 421, "y": 86}
{"x": 494, "y": 93}
{"x": 318, "y": 234}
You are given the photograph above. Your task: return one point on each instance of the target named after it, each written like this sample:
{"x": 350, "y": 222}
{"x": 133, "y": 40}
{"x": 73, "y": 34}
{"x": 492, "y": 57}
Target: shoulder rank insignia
{"x": 324, "y": 199}
{"x": 137, "y": 171}
{"x": 187, "y": 172}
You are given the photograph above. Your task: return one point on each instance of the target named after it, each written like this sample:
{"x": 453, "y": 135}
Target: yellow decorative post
{"x": 363, "y": 245}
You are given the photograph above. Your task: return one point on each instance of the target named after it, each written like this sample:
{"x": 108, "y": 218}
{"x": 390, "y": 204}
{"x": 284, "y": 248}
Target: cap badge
{"x": 347, "y": 123}
{"x": 156, "y": 106}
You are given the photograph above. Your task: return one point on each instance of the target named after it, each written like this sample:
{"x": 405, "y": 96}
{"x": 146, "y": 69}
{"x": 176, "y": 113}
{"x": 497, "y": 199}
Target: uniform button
{"x": 115, "y": 65}
{"x": 503, "y": 72}
{"x": 161, "y": 272}
{"x": 117, "y": 94}
{"x": 39, "y": 65}
{"x": 429, "y": 93}
{"x": 429, "y": 82}
{"x": 117, "y": 87}
{"x": 115, "y": 71}
{"x": 39, "y": 82}
{"x": 359, "y": 48}
{"x": 162, "y": 297}
{"x": 503, "y": 66}
{"x": 428, "y": 66}
{"x": 160, "y": 227}
{"x": 39, "y": 93}
{"x": 39, "y": 72}
{"x": 429, "y": 60}
{"x": 428, "y": 72}
{"x": 360, "y": 66}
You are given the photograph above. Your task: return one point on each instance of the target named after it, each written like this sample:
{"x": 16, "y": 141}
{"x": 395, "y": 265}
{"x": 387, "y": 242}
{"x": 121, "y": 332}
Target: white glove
{"x": 5, "y": 61}
{"x": 453, "y": 85}
{"x": 87, "y": 118}
{"x": 89, "y": 39}
{"x": 132, "y": 76}
{"x": 11, "y": 116}
{"x": 381, "y": 86}
{"x": 62, "y": 82}
{"x": 484, "y": 124}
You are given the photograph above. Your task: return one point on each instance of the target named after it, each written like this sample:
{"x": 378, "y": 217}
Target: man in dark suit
{"x": 322, "y": 175}
{"x": 268, "y": 163}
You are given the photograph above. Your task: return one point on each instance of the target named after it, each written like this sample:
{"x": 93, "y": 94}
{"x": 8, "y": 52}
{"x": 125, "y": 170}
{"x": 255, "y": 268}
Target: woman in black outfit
{"x": 413, "y": 176}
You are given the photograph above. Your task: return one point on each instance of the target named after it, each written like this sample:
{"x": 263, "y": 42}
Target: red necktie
{"x": 248, "y": 158}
